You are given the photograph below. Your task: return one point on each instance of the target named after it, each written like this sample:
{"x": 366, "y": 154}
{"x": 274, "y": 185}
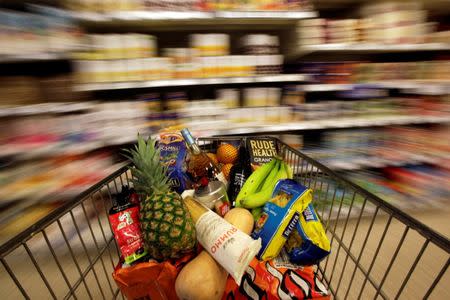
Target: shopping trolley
{"x": 377, "y": 251}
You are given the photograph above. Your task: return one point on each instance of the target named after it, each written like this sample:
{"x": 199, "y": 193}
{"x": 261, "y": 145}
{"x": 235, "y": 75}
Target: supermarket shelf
{"x": 373, "y": 48}
{"x": 325, "y": 87}
{"x": 339, "y": 123}
{"x": 193, "y": 20}
{"x": 45, "y": 108}
{"x": 52, "y": 192}
{"x": 190, "y": 82}
{"x": 172, "y": 17}
{"x": 36, "y": 57}
{"x": 295, "y": 15}
{"x": 431, "y": 87}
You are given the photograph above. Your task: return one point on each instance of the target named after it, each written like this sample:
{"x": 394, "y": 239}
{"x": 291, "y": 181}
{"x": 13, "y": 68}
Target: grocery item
{"x": 201, "y": 279}
{"x": 214, "y": 196}
{"x": 124, "y": 220}
{"x": 308, "y": 244}
{"x": 229, "y": 246}
{"x": 213, "y": 157}
{"x": 173, "y": 154}
{"x": 276, "y": 279}
{"x": 265, "y": 193}
{"x": 166, "y": 224}
{"x": 204, "y": 271}
{"x": 280, "y": 216}
{"x": 261, "y": 150}
{"x": 239, "y": 174}
{"x": 226, "y": 168}
{"x": 150, "y": 280}
{"x": 241, "y": 218}
{"x": 226, "y": 153}
{"x": 253, "y": 183}
{"x": 200, "y": 166}
{"x": 260, "y": 44}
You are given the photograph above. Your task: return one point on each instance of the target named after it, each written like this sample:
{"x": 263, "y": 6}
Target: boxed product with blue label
{"x": 173, "y": 153}
{"x": 308, "y": 244}
{"x": 280, "y": 216}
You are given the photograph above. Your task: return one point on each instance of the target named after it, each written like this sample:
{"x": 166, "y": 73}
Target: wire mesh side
{"x": 71, "y": 255}
{"x": 374, "y": 252}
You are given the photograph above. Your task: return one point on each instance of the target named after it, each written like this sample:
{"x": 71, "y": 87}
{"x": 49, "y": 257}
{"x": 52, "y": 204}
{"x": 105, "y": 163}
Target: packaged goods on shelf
{"x": 405, "y": 166}
{"x": 230, "y": 97}
{"x": 119, "y": 46}
{"x": 346, "y": 72}
{"x": 23, "y": 90}
{"x": 388, "y": 23}
{"x": 40, "y": 135}
{"x": 32, "y": 190}
{"x": 394, "y": 146}
{"x": 111, "y": 58}
{"x": 211, "y": 44}
{"x": 187, "y": 5}
{"x": 30, "y": 35}
{"x": 311, "y": 31}
{"x": 260, "y": 44}
{"x": 255, "y": 5}
{"x": 254, "y": 97}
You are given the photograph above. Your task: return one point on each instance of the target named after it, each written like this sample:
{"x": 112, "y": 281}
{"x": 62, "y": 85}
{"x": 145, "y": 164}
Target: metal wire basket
{"x": 377, "y": 251}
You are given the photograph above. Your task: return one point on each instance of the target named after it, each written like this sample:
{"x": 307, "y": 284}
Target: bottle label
{"x": 127, "y": 231}
{"x": 230, "y": 247}
{"x": 239, "y": 179}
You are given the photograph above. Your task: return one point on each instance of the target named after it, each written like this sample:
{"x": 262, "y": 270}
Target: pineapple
{"x": 166, "y": 224}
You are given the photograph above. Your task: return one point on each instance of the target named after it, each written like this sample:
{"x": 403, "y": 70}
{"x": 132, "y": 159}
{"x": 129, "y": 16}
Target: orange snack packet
{"x": 150, "y": 279}
{"x": 271, "y": 280}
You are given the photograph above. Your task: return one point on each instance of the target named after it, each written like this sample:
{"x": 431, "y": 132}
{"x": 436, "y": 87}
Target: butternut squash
{"x": 241, "y": 218}
{"x": 203, "y": 278}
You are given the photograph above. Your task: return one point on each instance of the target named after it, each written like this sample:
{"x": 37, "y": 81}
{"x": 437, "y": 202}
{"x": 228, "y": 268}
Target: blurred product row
{"x": 34, "y": 189}
{"x": 187, "y": 5}
{"x": 24, "y": 34}
{"x": 75, "y": 128}
{"x": 134, "y": 45}
{"x": 344, "y": 72}
{"x": 390, "y": 23}
{"x": 132, "y": 57}
{"x": 406, "y": 166}
{"x": 52, "y": 31}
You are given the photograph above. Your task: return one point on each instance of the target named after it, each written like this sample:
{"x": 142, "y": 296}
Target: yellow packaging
{"x": 308, "y": 244}
{"x": 280, "y": 216}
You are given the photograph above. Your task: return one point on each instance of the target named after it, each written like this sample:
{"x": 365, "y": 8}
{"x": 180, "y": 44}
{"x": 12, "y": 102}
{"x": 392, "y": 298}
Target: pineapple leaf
{"x": 149, "y": 175}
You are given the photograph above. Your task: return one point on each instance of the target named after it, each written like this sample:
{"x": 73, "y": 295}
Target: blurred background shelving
{"x": 362, "y": 87}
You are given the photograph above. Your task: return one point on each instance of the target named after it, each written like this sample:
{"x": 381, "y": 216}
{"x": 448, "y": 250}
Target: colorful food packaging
{"x": 274, "y": 280}
{"x": 308, "y": 244}
{"x": 229, "y": 246}
{"x": 150, "y": 280}
{"x": 124, "y": 220}
{"x": 280, "y": 216}
{"x": 173, "y": 154}
{"x": 261, "y": 150}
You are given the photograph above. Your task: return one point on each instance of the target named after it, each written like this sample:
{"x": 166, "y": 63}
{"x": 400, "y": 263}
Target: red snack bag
{"x": 269, "y": 280}
{"x": 150, "y": 279}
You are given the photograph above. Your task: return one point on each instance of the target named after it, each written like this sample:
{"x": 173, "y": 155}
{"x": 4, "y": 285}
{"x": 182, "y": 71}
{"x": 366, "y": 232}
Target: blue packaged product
{"x": 280, "y": 216}
{"x": 308, "y": 244}
{"x": 173, "y": 154}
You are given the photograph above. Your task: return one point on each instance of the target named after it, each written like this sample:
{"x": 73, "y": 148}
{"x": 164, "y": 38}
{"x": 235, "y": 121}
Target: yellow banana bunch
{"x": 254, "y": 182}
{"x": 259, "y": 197}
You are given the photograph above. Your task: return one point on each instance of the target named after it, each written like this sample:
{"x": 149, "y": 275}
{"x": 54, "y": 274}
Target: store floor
{"x": 339, "y": 268}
